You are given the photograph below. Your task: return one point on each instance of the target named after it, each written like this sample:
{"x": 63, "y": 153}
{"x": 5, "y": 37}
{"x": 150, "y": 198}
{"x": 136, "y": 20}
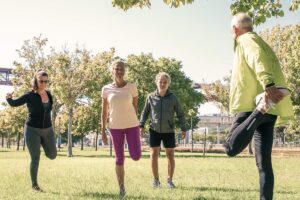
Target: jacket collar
{"x": 168, "y": 93}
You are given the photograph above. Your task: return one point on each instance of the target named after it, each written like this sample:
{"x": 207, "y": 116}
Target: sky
{"x": 196, "y": 34}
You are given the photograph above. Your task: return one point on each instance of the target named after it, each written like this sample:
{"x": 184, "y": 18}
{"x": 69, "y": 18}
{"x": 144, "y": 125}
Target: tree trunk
{"x": 8, "y": 141}
{"x": 82, "y": 141}
{"x": 18, "y": 141}
{"x": 24, "y": 143}
{"x": 70, "y": 154}
{"x": 2, "y": 140}
{"x": 97, "y": 133}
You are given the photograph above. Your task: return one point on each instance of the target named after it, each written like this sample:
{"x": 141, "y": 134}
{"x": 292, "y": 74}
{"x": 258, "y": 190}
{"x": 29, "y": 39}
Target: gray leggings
{"x": 35, "y": 137}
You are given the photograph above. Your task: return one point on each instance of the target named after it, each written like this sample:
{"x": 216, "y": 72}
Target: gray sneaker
{"x": 170, "y": 184}
{"x": 155, "y": 183}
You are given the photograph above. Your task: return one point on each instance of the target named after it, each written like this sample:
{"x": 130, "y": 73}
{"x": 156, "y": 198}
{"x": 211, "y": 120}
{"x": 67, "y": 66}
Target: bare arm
{"x": 104, "y": 116}
{"x": 135, "y": 104}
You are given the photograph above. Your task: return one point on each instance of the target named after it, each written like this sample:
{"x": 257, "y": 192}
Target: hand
{"x": 104, "y": 137}
{"x": 274, "y": 94}
{"x": 183, "y": 135}
{"x": 142, "y": 131}
{"x": 9, "y": 95}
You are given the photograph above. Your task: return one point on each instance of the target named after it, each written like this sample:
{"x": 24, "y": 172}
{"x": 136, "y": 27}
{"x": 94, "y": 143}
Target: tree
{"x": 260, "y": 10}
{"x": 218, "y": 92}
{"x": 12, "y": 123}
{"x": 82, "y": 123}
{"x": 100, "y": 76}
{"x": 3, "y": 126}
{"x": 68, "y": 84}
{"x": 285, "y": 41}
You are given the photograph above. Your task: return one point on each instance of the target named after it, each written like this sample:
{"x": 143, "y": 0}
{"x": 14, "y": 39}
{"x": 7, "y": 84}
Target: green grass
{"x": 91, "y": 175}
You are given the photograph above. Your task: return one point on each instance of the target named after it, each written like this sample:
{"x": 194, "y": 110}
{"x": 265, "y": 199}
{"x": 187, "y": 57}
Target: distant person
{"x": 119, "y": 106}
{"x": 256, "y": 75}
{"x": 161, "y": 105}
{"x": 38, "y": 128}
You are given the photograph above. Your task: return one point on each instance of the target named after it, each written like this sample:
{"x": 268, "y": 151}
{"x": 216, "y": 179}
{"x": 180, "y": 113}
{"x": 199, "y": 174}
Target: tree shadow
{"x": 102, "y": 195}
{"x": 286, "y": 192}
{"x": 4, "y": 151}
{"x": 224, "y": 189}
{"x": 161, "y": 156}
{"x": 98, "y": 156}
{"x": 221, "y": 189}
{"x": 208, "y": 156}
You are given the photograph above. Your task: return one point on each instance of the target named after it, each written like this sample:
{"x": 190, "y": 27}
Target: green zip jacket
{"x": 255, "y": 66}
{"x": 162, "y": 112}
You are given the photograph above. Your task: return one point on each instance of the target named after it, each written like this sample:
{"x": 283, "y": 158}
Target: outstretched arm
{"x": 16, "y": 102}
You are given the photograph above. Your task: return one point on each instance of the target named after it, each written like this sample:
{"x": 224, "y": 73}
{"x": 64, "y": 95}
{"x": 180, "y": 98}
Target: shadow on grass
{"x": 207, "y": 156}
{"x": 220, "y": 189}
{"x": 4, "y": 151}
{"x": 97, "y": 156}
{"x": 286, "y": 192}
{"x": 63, "y": 154}
{"x": 103, "y": 195}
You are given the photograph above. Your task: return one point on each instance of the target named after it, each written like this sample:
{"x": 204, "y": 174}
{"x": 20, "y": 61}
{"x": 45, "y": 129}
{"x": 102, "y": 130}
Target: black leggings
{"x": 245, "y": 125}
{"x": 35, "y": 138}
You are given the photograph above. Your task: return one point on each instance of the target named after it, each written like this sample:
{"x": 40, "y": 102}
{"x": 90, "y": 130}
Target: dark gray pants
{"x": 35, "y": 137}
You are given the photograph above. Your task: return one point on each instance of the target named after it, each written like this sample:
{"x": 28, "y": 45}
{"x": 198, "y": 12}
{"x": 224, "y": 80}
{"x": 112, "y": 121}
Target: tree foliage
{"x": 218, "y": 92}
{"x": 285, "y": 41}
{"x": 260, "y": 10}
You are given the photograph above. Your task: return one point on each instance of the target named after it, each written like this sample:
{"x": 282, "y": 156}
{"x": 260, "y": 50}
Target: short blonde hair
{"x": 164, "y": 74}
{"x": 242, "y": 21}
{"x": 117, "y": 63}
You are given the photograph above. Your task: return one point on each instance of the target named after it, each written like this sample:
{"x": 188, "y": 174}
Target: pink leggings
{"x": 133, "y": 141}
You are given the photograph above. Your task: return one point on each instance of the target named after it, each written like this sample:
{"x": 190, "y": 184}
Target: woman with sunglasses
{"x": 38, "y": 128}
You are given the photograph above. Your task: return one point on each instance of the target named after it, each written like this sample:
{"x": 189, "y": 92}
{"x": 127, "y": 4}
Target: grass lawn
{"x": 91, "y": 175}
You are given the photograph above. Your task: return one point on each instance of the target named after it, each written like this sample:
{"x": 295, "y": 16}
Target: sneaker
{"x": 156, "y": 183}
{"x": 261, "y": 104}
{"x": 122, "y": 193}
{"x": 170, "y": 184}
{"x": 36, "y": 188}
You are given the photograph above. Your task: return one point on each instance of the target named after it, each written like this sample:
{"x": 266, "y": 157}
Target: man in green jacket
{"x": 256, "y": 75}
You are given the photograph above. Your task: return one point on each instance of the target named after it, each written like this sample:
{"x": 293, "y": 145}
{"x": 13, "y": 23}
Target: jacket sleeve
{"x": 145, "y": 113}
{"x": 258, "y": 60}
{"x": 180, "y": 115}
{"x": 19, "y": 101}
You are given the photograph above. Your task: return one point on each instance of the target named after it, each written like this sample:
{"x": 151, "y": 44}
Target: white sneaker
{"x": 170, "y": 184}
{"x": 261, "y": 104}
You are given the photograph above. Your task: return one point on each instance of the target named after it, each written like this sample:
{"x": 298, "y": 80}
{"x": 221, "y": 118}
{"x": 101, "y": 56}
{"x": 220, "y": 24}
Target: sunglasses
{"x": 41, "y": 81}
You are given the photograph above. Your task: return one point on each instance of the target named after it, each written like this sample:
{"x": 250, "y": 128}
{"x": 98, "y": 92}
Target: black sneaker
{"x": 36, "y": 188}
